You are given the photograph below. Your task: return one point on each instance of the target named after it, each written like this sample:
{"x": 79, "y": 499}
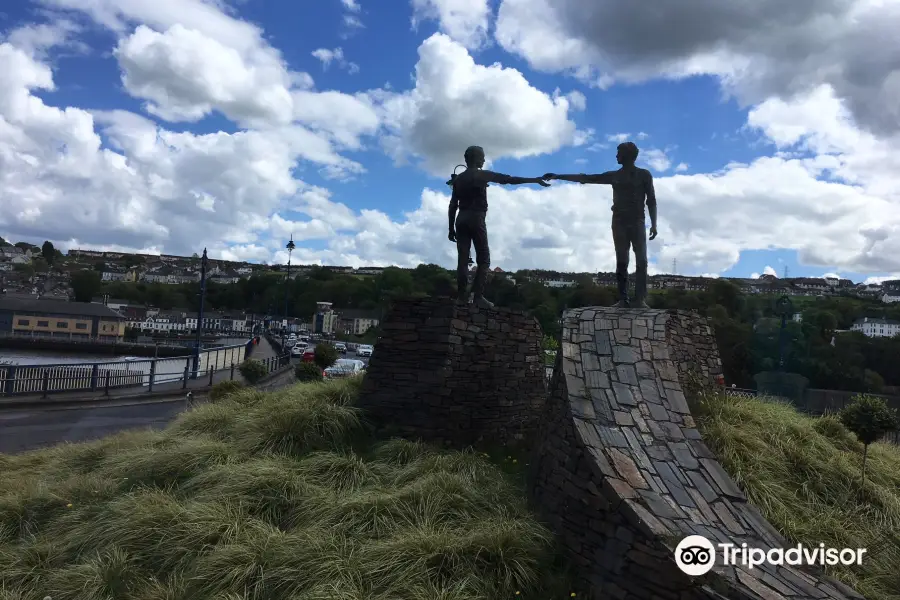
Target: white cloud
{"x": 336, "y": 56}
{"x": 37, "y": 39}
{"x": 185, "y": 75}
{"x": 457, "y": 102}
{"x": 466, "y": 21}
{"x": 351, "y": 5}
{"x": 757, "y": 49}
{"x": 656, "y": 159}
{"x": 830, "y": 191}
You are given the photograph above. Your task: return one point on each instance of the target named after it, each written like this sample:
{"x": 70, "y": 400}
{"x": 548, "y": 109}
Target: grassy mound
{"x": 278, "y": 496}
{"x": 803, "y": 473}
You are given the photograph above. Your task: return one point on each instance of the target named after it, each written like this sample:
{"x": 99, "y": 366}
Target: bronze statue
{"x": 470, "y": 197}
{"x": 632, "y": 187}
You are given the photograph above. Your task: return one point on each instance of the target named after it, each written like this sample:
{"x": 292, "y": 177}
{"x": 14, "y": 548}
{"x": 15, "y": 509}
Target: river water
{"x": 29, "y": 363}
{"x": 38, "y": 357}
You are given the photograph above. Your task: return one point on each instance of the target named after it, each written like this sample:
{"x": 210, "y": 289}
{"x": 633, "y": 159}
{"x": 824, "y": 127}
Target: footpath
{"x": 263, "y": 352}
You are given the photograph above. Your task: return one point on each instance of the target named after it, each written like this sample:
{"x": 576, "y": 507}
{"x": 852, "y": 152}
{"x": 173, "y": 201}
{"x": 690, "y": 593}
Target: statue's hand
{"x": 542, "y": 183}
{"x": 652, "y": 233}
{"x": 452, "y": 236}
{"x": 548, "y": 176}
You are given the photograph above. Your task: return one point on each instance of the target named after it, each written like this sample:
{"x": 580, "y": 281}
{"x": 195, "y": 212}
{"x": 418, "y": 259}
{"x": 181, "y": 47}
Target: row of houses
{"x": 325, "y": 320}
{"x": 876, "y": 327}
{"x": 798, "y": 286}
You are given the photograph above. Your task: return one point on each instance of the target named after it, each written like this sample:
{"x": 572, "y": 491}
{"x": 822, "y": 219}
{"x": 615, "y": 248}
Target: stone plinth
{"x": 456, "y": 374}
{"x": 621, "y": 473}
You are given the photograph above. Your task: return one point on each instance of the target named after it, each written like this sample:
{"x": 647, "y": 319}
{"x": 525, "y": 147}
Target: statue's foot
{"x": 642, "y": 304}
{"x": 482, "y": 302}
{"x": 623, "y": 303}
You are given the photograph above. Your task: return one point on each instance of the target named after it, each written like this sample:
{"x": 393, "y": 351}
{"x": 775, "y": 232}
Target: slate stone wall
{"x": 621, "y": 473}
{"x": 458, "y": 375}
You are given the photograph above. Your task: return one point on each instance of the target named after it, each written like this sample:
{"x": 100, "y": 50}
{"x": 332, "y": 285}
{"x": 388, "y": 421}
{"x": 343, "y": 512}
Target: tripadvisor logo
{"x": 695, "y": 555}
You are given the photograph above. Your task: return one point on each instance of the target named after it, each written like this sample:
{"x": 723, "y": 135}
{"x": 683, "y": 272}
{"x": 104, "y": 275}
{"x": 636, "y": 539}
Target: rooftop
{"x": 58, "y": 307}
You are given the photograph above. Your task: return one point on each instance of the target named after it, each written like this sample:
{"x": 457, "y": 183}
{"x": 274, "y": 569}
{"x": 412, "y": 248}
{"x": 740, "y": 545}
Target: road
{"x": 29, "y": 429}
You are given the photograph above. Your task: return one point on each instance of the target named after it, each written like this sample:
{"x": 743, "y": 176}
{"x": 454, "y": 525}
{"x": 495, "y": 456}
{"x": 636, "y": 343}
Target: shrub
{"x": 325, "y": 355}
{"x": 308, "y": 372}
{"x": 253, "y": 370}
{"x": 224, "y": 389}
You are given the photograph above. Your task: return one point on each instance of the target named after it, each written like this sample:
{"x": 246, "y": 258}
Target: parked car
{"x": 299, "y": 349}
{"x": 345, "y": 367}
{"x": 364, "y": 350}
{"x": 341, "y": 347}
{"x": 308, "y": 356}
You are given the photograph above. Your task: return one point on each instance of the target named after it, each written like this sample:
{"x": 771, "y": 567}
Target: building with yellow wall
{"x": 60, "y": 319}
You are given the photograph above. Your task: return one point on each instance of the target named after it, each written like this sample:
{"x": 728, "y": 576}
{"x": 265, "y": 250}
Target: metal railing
{"x": 156, "y": 374}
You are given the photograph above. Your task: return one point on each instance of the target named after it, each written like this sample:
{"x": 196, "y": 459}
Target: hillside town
{"x": 29, "y": 272}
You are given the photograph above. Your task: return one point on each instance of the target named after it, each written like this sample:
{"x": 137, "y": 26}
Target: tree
{"x": 86, "y": 284}
{"x": 869, "y": 417}
{"x": 307, "y": 372}
{"x": 325, "y": 355}
{"x": 48, "y": 252}
{"x": 40, "y": 265}
{"x": 26, "y": 270}
{"x": 100, "y": 267}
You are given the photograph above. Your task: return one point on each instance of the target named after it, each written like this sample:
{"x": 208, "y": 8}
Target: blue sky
{"x": 754, "y": 172}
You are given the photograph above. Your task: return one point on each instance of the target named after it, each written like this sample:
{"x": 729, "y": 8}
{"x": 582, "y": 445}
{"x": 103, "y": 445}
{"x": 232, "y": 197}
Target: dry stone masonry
{"x": 621, "y": 472}
{"x": 459, "y": 375}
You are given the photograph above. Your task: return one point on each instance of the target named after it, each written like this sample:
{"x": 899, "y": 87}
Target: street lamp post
{"x": 199, "y": 341}
{"x": 287, "y": 281}
{"x": 784, "y": 307}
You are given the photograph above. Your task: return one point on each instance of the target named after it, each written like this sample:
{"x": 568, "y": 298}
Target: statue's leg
{"x": 482, "y": 257}
{"x": 639, "y": 243}
{"x": 463, "y": 248}
{"x": 621, "y": 243}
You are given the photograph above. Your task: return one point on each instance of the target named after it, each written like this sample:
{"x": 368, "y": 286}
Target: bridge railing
{"x": 155, "y": 374}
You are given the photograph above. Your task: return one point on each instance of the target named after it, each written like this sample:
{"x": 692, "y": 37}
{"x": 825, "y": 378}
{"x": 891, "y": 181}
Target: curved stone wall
{"x": 622, "y": 475}
{"x": 459, "y": 375}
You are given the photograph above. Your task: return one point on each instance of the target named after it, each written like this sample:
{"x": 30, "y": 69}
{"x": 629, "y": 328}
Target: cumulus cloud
{"x": 758, "y": 49}
{"x": 457, "y": 102}
{"x": 184, "y": 75}
{"x": 466, "y": 21}
{"x": 117, "y": 180}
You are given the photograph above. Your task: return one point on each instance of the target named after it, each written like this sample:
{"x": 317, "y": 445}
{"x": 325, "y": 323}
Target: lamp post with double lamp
{"x": 287, "y": 282}
{"x": 199, "y": 341}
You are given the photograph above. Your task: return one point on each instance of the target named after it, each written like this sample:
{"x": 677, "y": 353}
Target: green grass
{"x": 278, "y": 496}
{"x": 286, "y": 496}
{"x": 803, "y": 473}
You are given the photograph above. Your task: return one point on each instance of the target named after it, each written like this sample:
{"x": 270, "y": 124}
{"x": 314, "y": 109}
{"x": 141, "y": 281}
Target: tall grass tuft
{"x": 803, "y": 473}
{"x": 279, "y": 496}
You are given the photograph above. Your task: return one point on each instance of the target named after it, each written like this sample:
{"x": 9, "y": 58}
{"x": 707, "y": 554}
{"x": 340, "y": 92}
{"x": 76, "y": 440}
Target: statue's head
{"x": 627, "y": 153}
{"x": 474, "y": 156}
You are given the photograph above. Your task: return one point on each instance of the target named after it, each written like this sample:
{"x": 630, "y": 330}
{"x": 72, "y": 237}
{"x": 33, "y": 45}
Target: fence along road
{"x": 31, "y": 427}
{"x": 118, "y": 378}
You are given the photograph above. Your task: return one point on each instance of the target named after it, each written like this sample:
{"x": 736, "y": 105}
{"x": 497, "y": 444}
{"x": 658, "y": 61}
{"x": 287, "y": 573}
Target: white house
{"x": 876, "y": 327}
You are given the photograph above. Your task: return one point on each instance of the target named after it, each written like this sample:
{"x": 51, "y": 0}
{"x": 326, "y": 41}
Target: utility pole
{"x": 199, "y": 341}
{"x": 287, "y": 282}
